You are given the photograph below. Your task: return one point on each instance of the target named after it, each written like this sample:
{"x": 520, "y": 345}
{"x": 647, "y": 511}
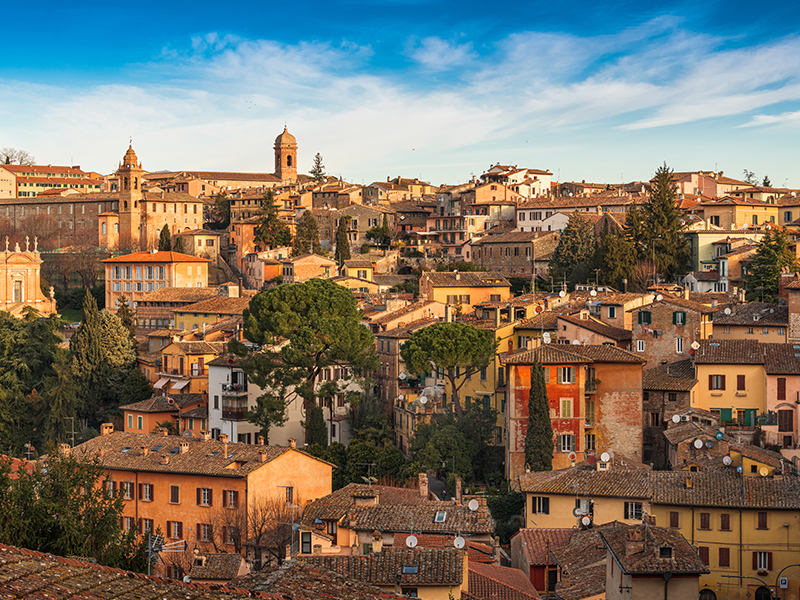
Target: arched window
{"x": 116, "y": 227}
{"x": 289, "y": 161}
{"x": 125, "y": 204}
{"x": 103, "y": 226}
{"x": 708, "y": 595}
{"x": 125, "y": 183}
{"x": 763, "y": 593}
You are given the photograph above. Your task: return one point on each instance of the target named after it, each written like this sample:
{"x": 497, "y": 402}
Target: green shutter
{"x": 674, "y": 318}
{"x": 640, "y": 318}
{"x": 725, "y": 414}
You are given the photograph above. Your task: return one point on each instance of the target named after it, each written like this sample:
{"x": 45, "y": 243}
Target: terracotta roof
{"x": 225, "y": 360}
{"x": 200, "y": 412}
{"x": 434, "y": 566}
{"x": 604, "y": 353}
{"x": 547, "y": 320}
{"x": 155, "y": 257}
{"x": 620, "y": 481}
{"x": 621, "y": 299}
{"x": 623, "y": 544}
{"x": 298, "y": 580}
{"x": 705, "y": 275}
{"x": 226, "y": 176}
{"x": 406, "y": 331}
{"x": 538, "y": 541}
{"x": 755, "y": 314}
{"x": 177, "y": 294}
{"x": 583, "y": 563}
{"x": 551, "y": 354}
{"x": 198, "y": 347}
{"x": 518, "y": 236}
{"x": 708, "y": 297}
{"x": 614, "y": 333}
{"x": 27, "y": 574}
{"x": 336, "y": 504}
{"x": 219, "y": 566}
{"x": 420, "y": 517}
{"x": 467, "y": 279}
{"x": 782, "y": 359}
{"x": 386, "y": 317}
{"x": 492, "y": 582}
{"x": 200, "y": 456}
{"x": 682, "y": 303}
{"x": 728, "y": 352}
{"x": 675, "y": 377}
{"x": 218, "y": 305}
{"x": 159, "y": 403}
{"x": 358, "y": 264}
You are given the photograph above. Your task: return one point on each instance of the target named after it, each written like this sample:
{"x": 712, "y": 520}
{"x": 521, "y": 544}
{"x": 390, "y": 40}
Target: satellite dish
{"x": 586, "y": 521}
{"x": 727, "y": 311}
{"x": 659, "y": 298}
{"x": 676, "y": 418}
{"x": 709, "y": 444}
{"x": 187, "y": 433}
{"x": 695, "y": 345}
{"x": 726, "y": 460}
{"x": 473, "y": 505}
{"x": 593, "y": 293}
{"x": 562, "y": 293}
{"x": 763, "y": 471}
{"x": 411, "y": 541}
{"x": 719, "y": 435}
{"x": 572, "y": 456}
{"x": 576, "y": 342}
{"x": 423, "y": 399}
{"x": 459, "y": 542}
{"x": 740, "y": 469}
{"x": 577, "y": 512}
{"x": 605, "y": 457}
{"x": 591, "y": 460}
{"x": 546, "y": 337}
{"x": 400, "y": 397}
{"x": 698, "y": 443}
{"x": 403, "y": 375}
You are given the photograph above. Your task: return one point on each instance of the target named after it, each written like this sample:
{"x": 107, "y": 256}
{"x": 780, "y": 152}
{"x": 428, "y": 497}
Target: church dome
{"x": 285, "y": 138}
{"x": 130, "y": 159}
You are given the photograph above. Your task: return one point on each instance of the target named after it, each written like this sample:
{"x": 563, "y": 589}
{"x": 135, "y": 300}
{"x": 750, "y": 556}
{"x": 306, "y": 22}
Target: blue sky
{"x": 436, "y": 90}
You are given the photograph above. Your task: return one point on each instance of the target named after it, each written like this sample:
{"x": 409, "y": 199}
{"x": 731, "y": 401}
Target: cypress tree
{"x": 88, "y": 359}
{"x": 539, "y": 438}
{"x": 772, "y": 254}
{"x": 342, "y": 243}
{"x": 636, "y": 231}
{"x": 178, "y": 247}
{"x": 668, "y": 246}
{"x": 576, "y": 247}
{"x": 165, "y": 240}
{"x": 127, "y": 316}
{"x": 316, "y": 432}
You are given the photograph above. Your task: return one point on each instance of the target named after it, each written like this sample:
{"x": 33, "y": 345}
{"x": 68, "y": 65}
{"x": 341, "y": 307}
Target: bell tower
{"x": 130, "y": 174}
{"x": 286, "y": 156}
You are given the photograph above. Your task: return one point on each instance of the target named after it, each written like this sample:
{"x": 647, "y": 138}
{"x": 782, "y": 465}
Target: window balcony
{"x": 590, "y": 387}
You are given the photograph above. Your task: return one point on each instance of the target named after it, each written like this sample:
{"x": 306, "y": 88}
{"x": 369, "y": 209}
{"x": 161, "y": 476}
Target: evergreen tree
{"x": 576, "y": 247}
{"x": 342, "y": 243}
{"x": 271, "y": 231}
{"x": 165, "y": 240}
{"x": 382, "y": 236}
{"x": 317, "y": 171}
{"x": 668, "y": 246}
{"x": 60, "y": 397}
{"x": 771, "y": 256}
{"x": 615, "y": 258}
{"x": 306, "y": 239}
{"x": 135, "y": 388}
{"x": 316, "y": 432}
{"x": 766, "y": 182}
{"x": 636, "y": 231}
{"x": 539, "y": 438}
{"x": 127, "y": 316}
{"x": 178, "y": 247}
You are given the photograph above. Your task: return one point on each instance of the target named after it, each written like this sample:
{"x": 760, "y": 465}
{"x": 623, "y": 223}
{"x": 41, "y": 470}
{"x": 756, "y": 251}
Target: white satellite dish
{"x": 727, "y": 460}
{"x": 727, "y": 311}
{"x": 562, "y": 293}
{"x": 695, "y": 345}
{"x": 605, "y": 457}
{"x": 577, "y": 512}
{"x": 411, "y": 541}
{"x": 593, "y": 293}
{"x": 459, "y": 542}
{"x": 676, "y": 418}
{"x": 698, "y": 443}
{"x": 576, "y": 342}
{"x": 586, "y": 521}
{"x": 402, "y": 375}
{"x": 546, "y": 337}
{"x": 473, "y": 505}
{"x": 401, "y": 397}
{"x": 659, "y": 298}
{"x": 423, "y": 399}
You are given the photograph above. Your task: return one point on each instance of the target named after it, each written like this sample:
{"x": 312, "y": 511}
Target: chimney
{"x": 448, "y": 313}
{"x": 497, "y": 317}
{"x": 163, "y": 431}
{"x": 164, "y": 459}
{"x": 458, "y": 276}
{"x": 223, "y": 437}
{"x": 423, "y": 485}
{"x": 262, "y": 456}
{"x": 317, "y": 549}
{"x": 293, "y": 443}
{"x": 144, "y": 450}
{"x": 106, "y": 429}
{"x": 101, "y": 452}
{"x": 64, "y": 449}
{"x": 260, "y": 441}
{"x": 635, "y": 542}
{"x": 205, "y": 435}
{"x": 458, "y": 490}
{"x": 377, "y": 541}
{"x": 686, "y": 293}
{"x": 185, "y": 447}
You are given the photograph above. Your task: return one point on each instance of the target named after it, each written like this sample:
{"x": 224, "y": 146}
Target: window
{"x": 566, "y": 408}
{"x": 705, "y": 520}
{"x": 305, "y": 542}
{"x": 483, "y": 374}
{"x": 762, "y": 561}
{"x": 665, "y": 552}
{"x": 725, "y": 522}
{"x": 674, "y": 519}
{"x": 130, "y": 421}
{"x": 679, "y": 345}
{"x": 111, "y": 488}
{"x": 205, "y": 497}
{"x": 644, "y": 317}
{"x": 589, "y": 442}
{"x": 781, "y": 388}
{"x": 204, "y": 532}
{"x": 679, "y": 318}
{"x": 724, "y": 557}
{"x": 762, "y": 520}
{"x": 672, "y": 396}
{"x": 127, "y": 523}
{"x": 332, "y": 527}
{"x": 566, "y": 374}
{"x": 146, "y": 492}
{"x": 640, "y": 345}
{"x": 289, "y": 495}
{"x": 140, "y": 422}
{"x": 633, "y": 510}
{"x": 410, "y": 592}
{"x": 740, "y": 383}
{"x": 230, "y": 499}
{"x": 566, "y": 443}
{"x": 175, "y": 529}
{"x": 440, "y": 516}
{"x": 655, "y": 419}
{"x": 703, "y": 552}
{"x": 174, "y": 494}
{"x": 229, "y": 534}
{"x": 590, "y": 416}
{"x": 716, "y": 382}
{"x": 540, "y": 505}
{"x": 127, "y": 490}
{"x": 147, "y": 526}
{"x": 612, "y": 312}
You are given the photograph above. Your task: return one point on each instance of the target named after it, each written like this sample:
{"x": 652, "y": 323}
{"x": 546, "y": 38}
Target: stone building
{"x": 20, "y": 281}
{"x": 665, "y": 330}
{"x": 286, "y": 156}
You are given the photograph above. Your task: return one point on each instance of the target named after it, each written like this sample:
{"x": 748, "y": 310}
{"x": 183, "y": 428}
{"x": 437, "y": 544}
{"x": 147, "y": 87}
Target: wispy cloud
{"x": 437, "y": 54}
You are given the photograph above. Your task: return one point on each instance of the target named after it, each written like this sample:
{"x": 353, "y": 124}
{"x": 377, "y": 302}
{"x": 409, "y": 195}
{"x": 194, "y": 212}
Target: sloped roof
{"x": 492, "y": 582}
{"x": 614, "y": 333}
{"x": 217, "y": 305}
{"x": 467, "y": 279}
{"x": 583, "y": 479}
{"x": 674, "y": 377}
{"x": 159, "y": 403}
{"x": 155, "y": 257}
{"x": 176, "y": 294}
{"x": 221, "y": 566}
{"x": 583, "y": 561}
{"x": 727, "y": 352}
{"x": 420, "y": 517}
{"x": 336, "y": 504}
{"x": 570, "y": 354}
{"x": 782, "y": 359}
{"x": 683, "y": 558}
{"x": 755, "y": 314}
{"x": 539, "y": 541}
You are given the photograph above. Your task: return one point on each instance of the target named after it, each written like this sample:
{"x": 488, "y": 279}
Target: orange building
{"x": 202, "y": 490}
{"x": 184, "y": 410}
{"x": 184, "y": 367}
{"x": 133, "y": 275}
{"x": 464, "y": 289}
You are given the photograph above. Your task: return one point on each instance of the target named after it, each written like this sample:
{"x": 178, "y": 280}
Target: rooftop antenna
{"x": 73, "y": 432}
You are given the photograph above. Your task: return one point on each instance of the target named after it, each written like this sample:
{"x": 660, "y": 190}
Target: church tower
{"x": 130, "y": 174}
{"x": 286, "y": 156}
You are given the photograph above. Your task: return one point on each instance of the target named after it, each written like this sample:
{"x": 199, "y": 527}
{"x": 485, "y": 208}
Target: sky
{"x": 602, "y": 92}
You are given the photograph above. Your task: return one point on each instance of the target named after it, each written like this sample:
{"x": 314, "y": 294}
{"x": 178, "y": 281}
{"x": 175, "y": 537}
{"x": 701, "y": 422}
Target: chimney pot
{"x": 260, "y": 440}
{"x": 205, "y": 435}
{"x": 293, "y": 443}
{"x": 262, "y": 456}
{"x": 164, "y": 459}
{"x": 64, "y": 449}
{"x": 184, "y": 447}
{"x": 106, "y": 429}
{"x": 144, "y": 450}
{"x": 423, "y": 485}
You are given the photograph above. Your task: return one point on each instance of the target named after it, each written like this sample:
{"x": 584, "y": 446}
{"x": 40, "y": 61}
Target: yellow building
{"x": 201, "y": 315}
{"x": 360, "y": 269}
{"x": 735, "y": 213}
{"x": 464, "y": 289}
{"x": 759, "y": 321}
{"x": 184, "y": 367}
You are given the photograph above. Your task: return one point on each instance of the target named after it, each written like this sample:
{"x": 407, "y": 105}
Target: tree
{"x": 771, "y": 256}
{"x": 136, "y": 387}
{"x": 178, "y": 246}
{"x": 303, "y": 329}
{"x": 455, "y": 350}
{"x": 306, "y": 239}
{"x": 669, "y": 248}
{"x": 60, "y": 398}
{"x": 316, "y": 432}
{"x": 127, "y": 316}
{"x": 218, "y": 215}
{"x": 635, "y": 231}
{"x": 342, "y": 243}
{"x": 165, "y": 240}
{"x": 317, "y": 171}
{"x": 576, "y": 247}
{"x": 271, "y": 231}
{"x": 9, "y": 156}
{"x": 766, "y": 182}
{"x": 382, "y": 236}
{"x": 750, "y": 177}
{"x": 539, "y": 438}
{"x": 614, "y": 258}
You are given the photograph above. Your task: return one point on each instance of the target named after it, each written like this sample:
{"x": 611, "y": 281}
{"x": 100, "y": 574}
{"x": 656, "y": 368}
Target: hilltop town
{"x": 285, "y": 384}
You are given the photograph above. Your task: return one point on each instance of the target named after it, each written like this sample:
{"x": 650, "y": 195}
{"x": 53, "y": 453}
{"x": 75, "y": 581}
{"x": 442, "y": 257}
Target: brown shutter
{"x": 755, "y": 561}
{"x": 180, "y": 529}
{"x": 224, "y": 499}
{"x": 211, "y": 497}
{"x": 235, "y": 500}
{"x": 225, "y": 535}
{"x": 169, "y": 529}
{"x": 211, "y": 533}
{"x": 723, "y": 381}
{"x": 711, "y": 382}
{"x": 781, "y": 388}
{"x": 198, "y": 532}
{"x": 140, "y": 491}
{"x": 769, "y": 561}
{"x": 740, "y": 383}
{"x": 199, "y": 494}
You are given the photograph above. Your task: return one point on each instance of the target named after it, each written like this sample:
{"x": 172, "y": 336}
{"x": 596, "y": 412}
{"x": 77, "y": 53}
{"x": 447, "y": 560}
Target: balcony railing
{"x": 591, "y": 387}
{"x": 229, "y": 414}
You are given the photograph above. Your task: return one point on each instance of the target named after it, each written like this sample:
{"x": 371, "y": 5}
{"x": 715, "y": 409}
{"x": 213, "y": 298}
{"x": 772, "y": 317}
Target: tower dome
{"x": 285, "y": 138}
{"x": 130, "y": 160}
{"x": 286, "y": 156}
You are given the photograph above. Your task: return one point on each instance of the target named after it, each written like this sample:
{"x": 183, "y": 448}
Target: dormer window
{"x": 440, "y": 516}
{"x": 665, "y": 552}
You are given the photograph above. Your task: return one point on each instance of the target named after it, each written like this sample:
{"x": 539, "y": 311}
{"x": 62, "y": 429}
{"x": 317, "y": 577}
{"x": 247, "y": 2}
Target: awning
{"x": 179, "y": 385}
{"x": 160, "y": 383}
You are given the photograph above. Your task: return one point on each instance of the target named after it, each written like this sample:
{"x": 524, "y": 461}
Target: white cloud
{"x": 437, "y": 54}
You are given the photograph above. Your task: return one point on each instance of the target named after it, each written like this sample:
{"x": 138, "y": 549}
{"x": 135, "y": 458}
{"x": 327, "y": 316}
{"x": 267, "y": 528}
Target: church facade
{"x": 20, "y": 283}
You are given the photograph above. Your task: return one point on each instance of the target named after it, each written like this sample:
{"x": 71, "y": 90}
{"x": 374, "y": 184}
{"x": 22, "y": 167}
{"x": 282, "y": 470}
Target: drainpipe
{"x": 667, "y": 577}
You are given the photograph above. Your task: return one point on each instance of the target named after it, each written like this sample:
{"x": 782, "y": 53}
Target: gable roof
{"x": 421, "y": 518}
{"x": 755, "y": 314}
{"x": 613, "y": 333}
{"x": 336, "y": 504}
{"x": 155, "y": 257}
{"x": 466, "y": 279}
{"x": 493, "y": 581}
{"x": 683, "y": 558}
{"x": 674, "y": 377}
{"x": 220, "y": 566}
{"x": 218, "y": 305}
{"x": 729, "y": 352}
{"x": 537, "y": 542}
{"x": 159, "y": 403}
{"x": 782, "y": 359}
